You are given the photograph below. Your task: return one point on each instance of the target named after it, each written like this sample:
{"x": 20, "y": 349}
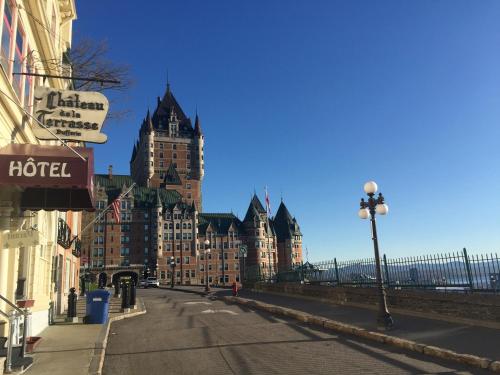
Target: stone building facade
{"x": 163, "y": 228}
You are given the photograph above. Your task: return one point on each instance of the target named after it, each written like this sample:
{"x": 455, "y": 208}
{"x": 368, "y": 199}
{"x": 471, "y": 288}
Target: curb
{"x": 97, "y": 360}
{"x": 200, "y": 293}
{"x": 433, "y": 351}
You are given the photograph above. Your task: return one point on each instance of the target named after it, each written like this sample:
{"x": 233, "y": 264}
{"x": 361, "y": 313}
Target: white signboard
{"x": 22, "y": 238}
{"x": 71, "y": 115}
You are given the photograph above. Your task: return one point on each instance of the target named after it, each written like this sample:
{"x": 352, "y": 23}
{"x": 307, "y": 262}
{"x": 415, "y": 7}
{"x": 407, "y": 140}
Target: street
{"x": 185, "y": 333}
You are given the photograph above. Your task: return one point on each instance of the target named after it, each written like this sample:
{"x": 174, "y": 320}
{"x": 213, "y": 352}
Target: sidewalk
{"x": 75, "y": 349}
{"x": 461, "y": 338}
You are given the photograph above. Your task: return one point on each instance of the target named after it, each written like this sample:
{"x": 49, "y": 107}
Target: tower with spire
{"x": 289, "y": 239}
{"x": 169, "y": 153}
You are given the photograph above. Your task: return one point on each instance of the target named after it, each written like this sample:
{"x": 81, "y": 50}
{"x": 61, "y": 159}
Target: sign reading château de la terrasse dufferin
{"x": 71, "y": 115}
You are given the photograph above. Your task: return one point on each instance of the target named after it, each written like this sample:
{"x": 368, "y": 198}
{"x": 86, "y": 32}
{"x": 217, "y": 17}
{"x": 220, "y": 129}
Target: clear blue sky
{"x": 313, "y": 98}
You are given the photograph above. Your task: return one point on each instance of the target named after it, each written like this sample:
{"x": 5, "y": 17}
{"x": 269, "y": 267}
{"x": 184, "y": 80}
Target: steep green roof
{"x": 284, "y": 225}
{"x": 254, "y": 209}
{"x": 171, "y": 176}
{"x": 220, "y": 222}
{"x": 143, "y": 196}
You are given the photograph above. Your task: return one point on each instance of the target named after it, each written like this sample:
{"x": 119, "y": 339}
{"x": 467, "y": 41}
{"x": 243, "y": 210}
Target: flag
{"x": 268, "y": 204}
{"x": 116, "y": 209}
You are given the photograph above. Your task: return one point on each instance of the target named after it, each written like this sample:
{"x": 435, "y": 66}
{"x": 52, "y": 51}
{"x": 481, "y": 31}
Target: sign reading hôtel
{"x": 71, "y": 115}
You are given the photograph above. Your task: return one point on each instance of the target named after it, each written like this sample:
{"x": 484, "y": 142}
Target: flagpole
{"x": 103, "y": 211}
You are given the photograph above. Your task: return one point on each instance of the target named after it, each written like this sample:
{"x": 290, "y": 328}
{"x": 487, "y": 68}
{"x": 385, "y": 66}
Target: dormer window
{"x": 174, "y": 129}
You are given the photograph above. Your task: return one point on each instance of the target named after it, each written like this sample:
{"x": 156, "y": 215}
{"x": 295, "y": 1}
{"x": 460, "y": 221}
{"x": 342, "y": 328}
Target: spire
{"x": 158, "y": 199}
{"x": 149, "y": 123}
{"x": 197, "y": 126}
{"x": 134, "y": 153}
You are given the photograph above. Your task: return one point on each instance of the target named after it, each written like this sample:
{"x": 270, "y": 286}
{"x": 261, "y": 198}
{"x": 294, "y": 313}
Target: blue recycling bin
{"x": 97, "y": 306}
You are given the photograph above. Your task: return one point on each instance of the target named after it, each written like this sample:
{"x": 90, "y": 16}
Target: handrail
{"x": 4, "y": 314}
{"x": 11, "y": 304}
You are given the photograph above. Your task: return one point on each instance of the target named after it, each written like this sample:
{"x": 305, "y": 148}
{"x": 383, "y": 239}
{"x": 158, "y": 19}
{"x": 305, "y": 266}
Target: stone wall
{"x": 474, "y": 306}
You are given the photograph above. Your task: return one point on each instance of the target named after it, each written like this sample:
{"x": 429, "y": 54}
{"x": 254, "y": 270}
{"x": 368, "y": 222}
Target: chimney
{"x": 110, "y": 172}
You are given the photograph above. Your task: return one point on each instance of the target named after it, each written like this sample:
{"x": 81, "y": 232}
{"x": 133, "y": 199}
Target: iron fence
{"x": 451, "y": 271}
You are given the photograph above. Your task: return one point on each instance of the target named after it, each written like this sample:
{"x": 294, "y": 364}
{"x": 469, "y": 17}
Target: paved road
{"x": 188, "y": 334}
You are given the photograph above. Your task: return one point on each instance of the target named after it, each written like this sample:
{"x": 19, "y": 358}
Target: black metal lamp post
{"x": 207, "y": 251}
{"x": 368, "y": 210}
{"x": 172, "y": 266}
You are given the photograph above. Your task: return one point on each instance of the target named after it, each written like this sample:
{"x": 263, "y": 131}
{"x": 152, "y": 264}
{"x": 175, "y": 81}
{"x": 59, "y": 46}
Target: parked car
{"x": 153, "y": 282}
{"x": 143, "y": 283}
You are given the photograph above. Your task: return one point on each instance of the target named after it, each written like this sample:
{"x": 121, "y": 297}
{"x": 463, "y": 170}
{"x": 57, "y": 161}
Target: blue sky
{"x": 313, "y": 99}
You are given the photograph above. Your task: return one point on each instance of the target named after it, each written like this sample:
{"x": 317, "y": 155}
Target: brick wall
{"x": 484, "y": 307}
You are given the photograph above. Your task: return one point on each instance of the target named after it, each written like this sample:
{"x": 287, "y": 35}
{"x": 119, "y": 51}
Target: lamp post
{"x": 172, "y": 266}
{"x": 207, "y": 251}
{"x": 368, "y": 209}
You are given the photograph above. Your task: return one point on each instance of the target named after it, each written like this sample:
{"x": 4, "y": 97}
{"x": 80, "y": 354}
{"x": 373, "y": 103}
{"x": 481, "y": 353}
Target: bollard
{"x": 125, "y": 297}
{"x": 117, "y": 289}
{"x": 132, "y": 295}
{"x": 72, "y": 298}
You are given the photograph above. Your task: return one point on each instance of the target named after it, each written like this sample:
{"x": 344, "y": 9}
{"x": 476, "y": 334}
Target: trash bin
{"x": 97, "y": 307}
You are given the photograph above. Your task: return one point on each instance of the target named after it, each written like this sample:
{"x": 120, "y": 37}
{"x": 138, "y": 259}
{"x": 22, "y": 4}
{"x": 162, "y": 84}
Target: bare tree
{"x": 88, "y": 59}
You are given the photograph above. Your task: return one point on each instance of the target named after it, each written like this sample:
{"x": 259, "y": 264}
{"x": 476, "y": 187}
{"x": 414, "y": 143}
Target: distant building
{"x": 163, "y": 228}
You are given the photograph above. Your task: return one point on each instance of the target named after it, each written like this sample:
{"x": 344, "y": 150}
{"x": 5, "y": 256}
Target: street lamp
{"x": 207, "y": 251}
{"x": 172, "y": 266}
{"x": 368, "y": 210}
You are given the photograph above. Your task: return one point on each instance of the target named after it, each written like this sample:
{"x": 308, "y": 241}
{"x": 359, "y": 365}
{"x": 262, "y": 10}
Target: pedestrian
{"x": 235, "y": 289}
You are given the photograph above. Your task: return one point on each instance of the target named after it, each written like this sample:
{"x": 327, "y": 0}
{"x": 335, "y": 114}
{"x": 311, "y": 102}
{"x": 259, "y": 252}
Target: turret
{"x": 199, "y": 142}
{"x": 149, "y": 140}
{"x": 159, "y": 224}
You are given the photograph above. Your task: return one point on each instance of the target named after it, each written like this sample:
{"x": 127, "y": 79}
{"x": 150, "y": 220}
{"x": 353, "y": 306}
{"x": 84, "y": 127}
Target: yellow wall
{"x": 45, "y": 41}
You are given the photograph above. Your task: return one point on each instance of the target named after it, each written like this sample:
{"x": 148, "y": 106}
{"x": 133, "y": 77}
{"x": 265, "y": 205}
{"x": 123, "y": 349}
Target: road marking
{"x": 197, "y": 303}
{"x": 210, "y": 311}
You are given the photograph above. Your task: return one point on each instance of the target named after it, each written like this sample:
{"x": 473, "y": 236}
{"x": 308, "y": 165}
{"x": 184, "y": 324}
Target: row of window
{"x": 191, "y": 275}
{"x": 236, "y": 267}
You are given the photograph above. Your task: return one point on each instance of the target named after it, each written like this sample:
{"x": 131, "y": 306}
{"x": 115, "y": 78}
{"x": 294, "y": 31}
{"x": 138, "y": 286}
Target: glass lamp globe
{"x": 370, "y": 187}
{"x": 208, "y": 251}
{"x": 382, "y": 209}
{"x": 363, "y": 213}
{"x": 207, "y": 242}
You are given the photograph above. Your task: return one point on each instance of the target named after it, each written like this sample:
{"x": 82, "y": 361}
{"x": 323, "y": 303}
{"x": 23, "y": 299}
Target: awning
{"x": 51, "y": 177}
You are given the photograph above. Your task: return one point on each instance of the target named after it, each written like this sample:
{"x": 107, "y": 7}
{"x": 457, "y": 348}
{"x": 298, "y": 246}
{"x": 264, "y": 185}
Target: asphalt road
{"x": 185, "y": 333}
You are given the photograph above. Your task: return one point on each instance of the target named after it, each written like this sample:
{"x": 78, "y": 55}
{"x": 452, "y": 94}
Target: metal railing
{"x": 452, "y": 271}
{"x": 14, "y": 319}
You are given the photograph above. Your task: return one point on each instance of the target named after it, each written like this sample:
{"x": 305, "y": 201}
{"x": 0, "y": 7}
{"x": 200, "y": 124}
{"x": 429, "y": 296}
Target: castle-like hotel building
{"x": 163, "y": 228}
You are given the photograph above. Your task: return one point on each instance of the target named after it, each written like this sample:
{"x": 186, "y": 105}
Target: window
{"x": 98, "y": 252}
{"x": 187, "y": 274}
{"x": 186, "y": 260}
{"x": 174, "y": 147}
{"x": 146, "y": 250}
{"x": 225, "y": 256}
{"x": 146, "y": 227}
{"x": 174, "y": 156}
{"x": 7, "y": 34}
{"x": 99, "y": 240}
{"x": 125, "y": 262}
{"x": 226, "y": 267}
{"x": 210, "y": 267}
{"x": 125, "y": 239}
{"x": 178, "y": 260}
{"x": 226, "y": 278}
{"x": 124, "y": 252}
{"x": 146, "y": 238}
{"x": 161, "y": 155}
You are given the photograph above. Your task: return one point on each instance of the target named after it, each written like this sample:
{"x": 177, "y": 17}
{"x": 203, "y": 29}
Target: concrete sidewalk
{"x": 460, "y": 338}
{"x": 76, "y": 349}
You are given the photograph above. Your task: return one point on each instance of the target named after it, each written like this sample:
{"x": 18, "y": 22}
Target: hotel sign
{"x": 71, "y": 115}
{"x": 22, "y": 238}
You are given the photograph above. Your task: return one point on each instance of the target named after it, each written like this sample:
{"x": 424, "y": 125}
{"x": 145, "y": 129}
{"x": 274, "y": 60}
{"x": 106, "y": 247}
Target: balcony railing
{"x": 63, "y": 234}
{"x": 77, "y": 248}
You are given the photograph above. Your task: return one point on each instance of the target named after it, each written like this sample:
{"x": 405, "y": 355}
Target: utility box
{"x": 97, "y": 307}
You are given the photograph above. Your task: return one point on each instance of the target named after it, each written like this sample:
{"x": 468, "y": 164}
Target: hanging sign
{"x": 71, "y": 115}
{"x": 22, "y": 238}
